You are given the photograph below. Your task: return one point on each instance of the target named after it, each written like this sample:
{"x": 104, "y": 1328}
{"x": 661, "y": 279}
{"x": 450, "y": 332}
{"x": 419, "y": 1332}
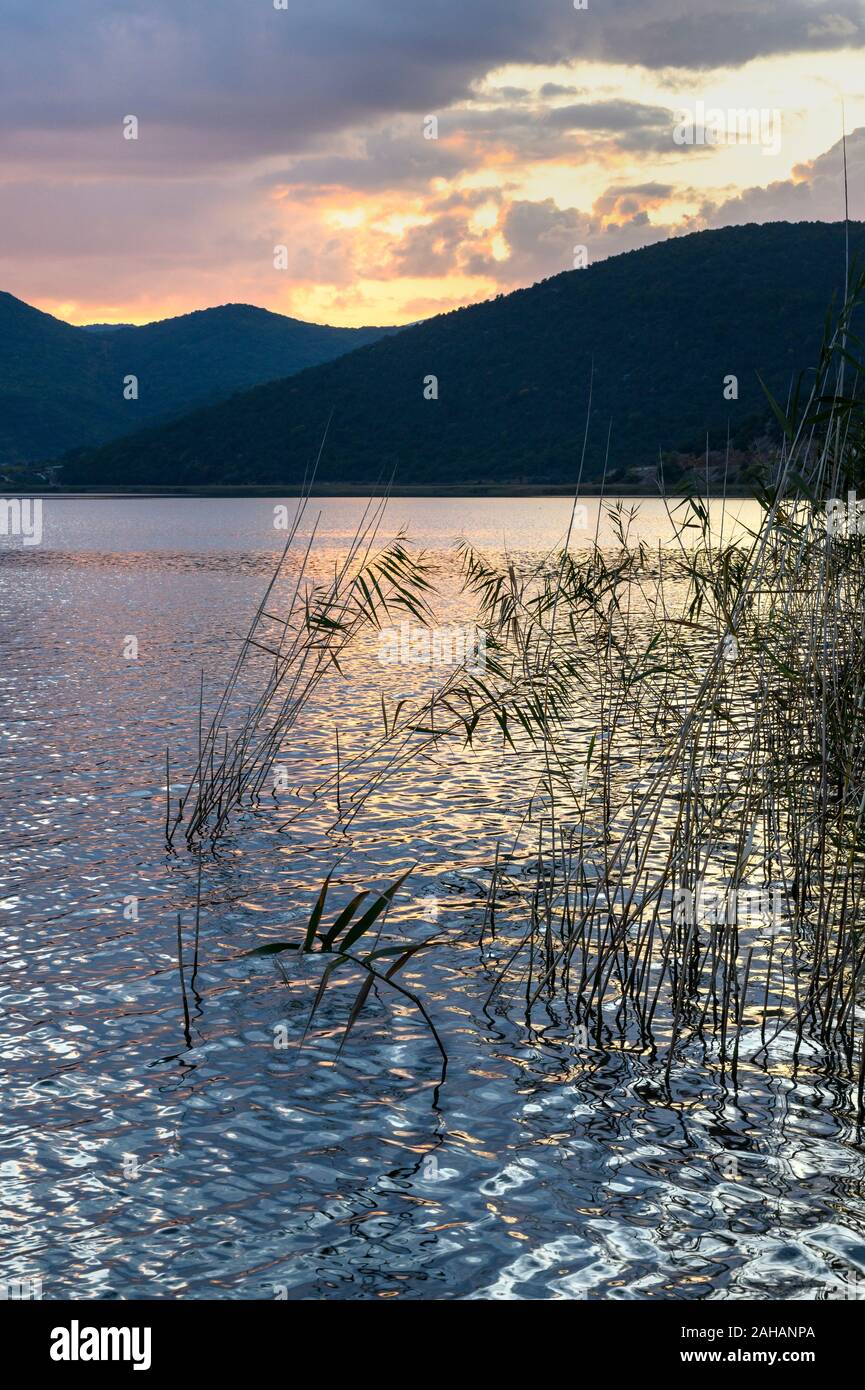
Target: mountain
{"x": 655, "y": 331}
{"x": 62, "y": 387}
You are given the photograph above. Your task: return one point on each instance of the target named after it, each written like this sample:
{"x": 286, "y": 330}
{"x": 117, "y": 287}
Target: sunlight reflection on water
{"x": 134, "y": 1165}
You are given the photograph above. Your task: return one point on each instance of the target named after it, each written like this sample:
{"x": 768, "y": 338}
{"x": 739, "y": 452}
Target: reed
{"x": 342, "y": 945}
{"x": 300, "y": 632}
{"x": 724, "y": 684}
{"x": 695, "y": 715}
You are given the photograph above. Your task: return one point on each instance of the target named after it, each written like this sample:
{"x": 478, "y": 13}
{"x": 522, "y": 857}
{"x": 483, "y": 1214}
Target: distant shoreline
{"x": 588, "y": 491}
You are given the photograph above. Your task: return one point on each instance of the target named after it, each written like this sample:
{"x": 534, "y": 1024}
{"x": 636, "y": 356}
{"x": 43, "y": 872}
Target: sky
{"x": 378, "y": 161}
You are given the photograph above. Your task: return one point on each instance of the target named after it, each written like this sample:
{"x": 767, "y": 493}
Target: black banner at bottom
{"x": 157, "y": 1337}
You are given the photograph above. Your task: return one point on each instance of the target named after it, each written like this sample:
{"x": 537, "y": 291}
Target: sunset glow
{"x": 383, "y": 219}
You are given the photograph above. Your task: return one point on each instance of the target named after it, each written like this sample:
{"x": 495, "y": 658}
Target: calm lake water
{"x": 136, "y": 1164}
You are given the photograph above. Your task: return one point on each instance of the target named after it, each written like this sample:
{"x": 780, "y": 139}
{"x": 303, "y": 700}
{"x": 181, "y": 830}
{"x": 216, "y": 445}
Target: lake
{"x": 144, "y": 1160}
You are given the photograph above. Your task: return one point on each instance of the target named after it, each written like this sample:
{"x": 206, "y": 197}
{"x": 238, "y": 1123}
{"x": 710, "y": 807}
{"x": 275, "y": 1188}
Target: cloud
{"x": 556, "y": 89}
{"x": 435, "y": 249}
{"x": 473, "y": 137}
{"x": 630, "y": 199}
{"x": 231, "y": 77}
{"x": 610, "y": 116}
{"x": 384, "y": 159}
{"x": 138, "y": 244}
{"x": 528, "y": 240}
{"x": 304, "y": 127}
{"x": 543, "y": 238}
{"x": 833, "y": 26}
{"x": 815, "y": 193}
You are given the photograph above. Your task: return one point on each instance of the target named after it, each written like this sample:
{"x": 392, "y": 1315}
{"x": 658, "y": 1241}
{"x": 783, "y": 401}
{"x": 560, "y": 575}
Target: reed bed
{"x": 686, "y": 877}
{"x": 700, "y": 881}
